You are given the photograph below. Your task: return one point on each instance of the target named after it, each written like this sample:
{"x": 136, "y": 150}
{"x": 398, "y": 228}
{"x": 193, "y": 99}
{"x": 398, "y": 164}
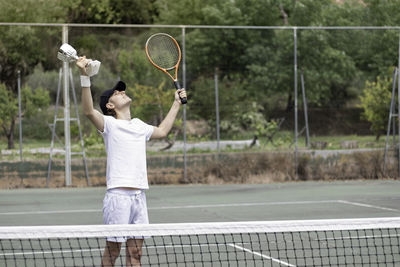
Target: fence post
{"x": 184, "y": 106}
{"x": 295, "y": 103}
{"x": 217, "y": 106}
{"x": 67, "y": 133}
{"x": 398, "y": 109}
{"x": 19, "y": 115}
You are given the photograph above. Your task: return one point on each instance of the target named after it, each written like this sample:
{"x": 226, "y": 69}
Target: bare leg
{"x": 133, "y": 252}
{"x": 111, "y": 253}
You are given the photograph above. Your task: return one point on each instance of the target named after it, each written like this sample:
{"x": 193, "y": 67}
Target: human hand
{"x": 82, "y": 62}
{"x": 180, "y": 93}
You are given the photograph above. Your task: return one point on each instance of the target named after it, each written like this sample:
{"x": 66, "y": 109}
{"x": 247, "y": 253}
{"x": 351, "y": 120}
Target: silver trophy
{"x": 67, "y": 53}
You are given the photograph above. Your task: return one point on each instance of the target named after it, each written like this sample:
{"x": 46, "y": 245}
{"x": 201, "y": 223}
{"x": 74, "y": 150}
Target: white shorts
{"x": 122, "y": 206}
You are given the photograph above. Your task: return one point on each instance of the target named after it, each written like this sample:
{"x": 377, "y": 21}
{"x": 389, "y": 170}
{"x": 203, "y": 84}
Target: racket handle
{"x": 178, "y": 86}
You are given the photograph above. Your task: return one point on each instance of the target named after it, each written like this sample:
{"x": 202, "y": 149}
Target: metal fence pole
{"x": 217, "y": 106}
{"x": 184, "y": 106}
{"x": 295, "y": 104}
{"x": 398, "y": 109}
{"x": 67, "y": 133}
{"x": 303, "y": 90}
{"x": 19, "y": 115}
{"x": 392, "y": 117}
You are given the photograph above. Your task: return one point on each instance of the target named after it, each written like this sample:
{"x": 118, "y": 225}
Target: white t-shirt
{"x": 125, "y": 143}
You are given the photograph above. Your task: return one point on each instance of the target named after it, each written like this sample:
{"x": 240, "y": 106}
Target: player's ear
{"x": 110, "y": 105}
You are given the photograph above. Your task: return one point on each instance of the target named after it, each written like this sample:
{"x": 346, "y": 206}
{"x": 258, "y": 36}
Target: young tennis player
{"x": 125, "y": 141}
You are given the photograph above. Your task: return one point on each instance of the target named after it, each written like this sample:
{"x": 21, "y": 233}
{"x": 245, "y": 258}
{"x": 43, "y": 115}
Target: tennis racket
{"x": 164, "y": 53}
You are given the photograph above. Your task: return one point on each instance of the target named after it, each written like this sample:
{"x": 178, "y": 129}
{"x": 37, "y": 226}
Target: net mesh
{"x": 163, "y": 51}
{"x": 358, "y": 242}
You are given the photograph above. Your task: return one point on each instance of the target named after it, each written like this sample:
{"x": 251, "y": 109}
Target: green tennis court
{"x": 216, "y": 203}
{"x": 210, "y": 203}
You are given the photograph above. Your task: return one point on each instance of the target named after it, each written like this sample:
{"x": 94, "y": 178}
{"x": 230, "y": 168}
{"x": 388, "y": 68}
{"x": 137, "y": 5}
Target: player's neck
{"x": 123, "y": 115}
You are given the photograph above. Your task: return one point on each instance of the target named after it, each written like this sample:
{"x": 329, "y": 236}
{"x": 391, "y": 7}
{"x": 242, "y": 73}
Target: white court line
{"x": 207, "y": 206}
{"x": 28, "y": 253}
{"x": 176, "y": 207}
{"x": 366, "y": 205}
{"x": 36, "y": 253}
{"x": 245, "y": 204}
{"x": 262, "y": 255}
{"x": 47, "y": 212}
{"x": 357, "y": 237}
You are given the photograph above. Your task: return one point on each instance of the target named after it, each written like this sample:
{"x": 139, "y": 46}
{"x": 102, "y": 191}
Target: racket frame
{"x": 176, "y": 66}
{"x": 166, "y": 70}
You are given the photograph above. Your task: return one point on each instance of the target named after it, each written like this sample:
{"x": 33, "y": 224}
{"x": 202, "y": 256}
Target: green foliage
{"x": 32, "y": 102}
{"x": 375, "y": 101}
{"x": 265, "y": 58}
{"x": 150, "y": 103}
{"x": 255, "y": 66}
{"x": 8, "y": 108}
{"x": 39, "y": 11}
{"x": 48, "y": 80}
{"x": 108, "y": 12}
{"x": 233, "y": 102}
{"x": 84, "y": 11}
{"x": 134, "y": 67}
{"x": 181, "y": 11}
{"x": 18, "y": 52}
{"x": 255, "y": 120}
{"x": 93, "y": 138}
{"x": 134, "y": 11}
{"x": 19, "y": 46}
{"x": 328, "y": 70}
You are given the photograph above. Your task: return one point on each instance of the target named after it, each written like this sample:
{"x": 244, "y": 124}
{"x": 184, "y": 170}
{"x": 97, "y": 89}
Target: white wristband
{"x": 85, "y": 81}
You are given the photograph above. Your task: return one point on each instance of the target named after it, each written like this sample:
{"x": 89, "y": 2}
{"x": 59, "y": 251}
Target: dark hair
{"x": 111, "y": 112}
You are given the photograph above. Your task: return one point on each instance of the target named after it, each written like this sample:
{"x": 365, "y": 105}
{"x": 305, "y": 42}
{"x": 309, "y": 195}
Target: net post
{"x": 295, "y": 104}
{"x": 184, "y": 106}
{"x": 68, "y": 181}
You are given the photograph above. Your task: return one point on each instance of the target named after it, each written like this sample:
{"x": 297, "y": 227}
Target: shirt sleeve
{"x": 107, "y": 124}
{"x": 147, "y": 129}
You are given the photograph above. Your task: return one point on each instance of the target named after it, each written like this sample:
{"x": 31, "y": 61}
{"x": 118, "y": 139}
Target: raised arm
{"x": 163, "y": 129}
{"x": 87, "y": 102}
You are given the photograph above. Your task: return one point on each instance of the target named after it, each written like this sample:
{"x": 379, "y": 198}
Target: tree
{"x": 375, "y": 101}
{"x": 265, "y": 58}
{"x": 135, "y": 68}
{"x": 20, "y": 46}
{"x": 31, "y": 103}
{"x": 18, "y": 52}
{"x": 110, "y": 11}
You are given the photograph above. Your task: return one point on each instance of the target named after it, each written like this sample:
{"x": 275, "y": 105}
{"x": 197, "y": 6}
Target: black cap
{"x": 105, "y": 96}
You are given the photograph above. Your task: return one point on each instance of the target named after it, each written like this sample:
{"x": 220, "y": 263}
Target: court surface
{"x": 210, "y": 203}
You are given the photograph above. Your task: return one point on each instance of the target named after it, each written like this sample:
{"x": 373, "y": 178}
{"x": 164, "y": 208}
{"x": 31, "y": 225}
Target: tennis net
{"x": 345, "y": 242}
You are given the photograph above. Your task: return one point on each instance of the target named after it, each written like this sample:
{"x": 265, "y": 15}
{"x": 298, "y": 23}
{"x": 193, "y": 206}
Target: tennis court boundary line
{"x": 209, "y": 206}
{"x": 261, "y": 255}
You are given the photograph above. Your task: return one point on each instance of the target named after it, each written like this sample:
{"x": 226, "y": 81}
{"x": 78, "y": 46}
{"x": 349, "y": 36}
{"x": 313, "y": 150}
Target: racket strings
{"x": 163, "y": 51}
